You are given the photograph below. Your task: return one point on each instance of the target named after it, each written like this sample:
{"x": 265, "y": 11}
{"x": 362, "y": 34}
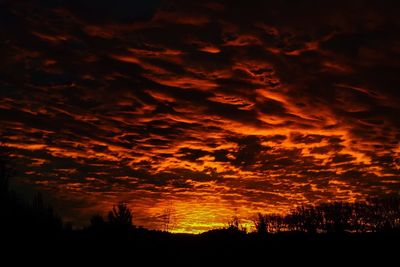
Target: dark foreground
{"x": 148, "y": 248}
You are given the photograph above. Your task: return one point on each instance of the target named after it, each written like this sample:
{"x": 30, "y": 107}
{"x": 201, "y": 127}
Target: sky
{"x": 201, "y": 109}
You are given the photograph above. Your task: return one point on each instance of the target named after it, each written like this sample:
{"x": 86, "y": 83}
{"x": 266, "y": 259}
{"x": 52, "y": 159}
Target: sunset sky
{"x": 207, "y": 108}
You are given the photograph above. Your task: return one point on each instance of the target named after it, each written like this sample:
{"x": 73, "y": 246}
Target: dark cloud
{"x": 191, "y": 154}
{"x": 100, "y": 11}
{"x": 248, "y": 151}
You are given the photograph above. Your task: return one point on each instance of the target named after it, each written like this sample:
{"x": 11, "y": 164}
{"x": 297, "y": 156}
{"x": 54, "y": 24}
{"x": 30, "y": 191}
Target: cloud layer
{"x": 210, "y": 108}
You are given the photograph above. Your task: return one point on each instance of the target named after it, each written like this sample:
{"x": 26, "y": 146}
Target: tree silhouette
{"x": 38, "y": 202}
{"x": 97, "y": 225}
{"x": 5, "y": 172}
{"x": 234, "y": 225}
{"x": 261, "y": 224}
{"x": 120, "y": 216}
{"x": 97, "y": 221}
{"x": 4, "y": 182}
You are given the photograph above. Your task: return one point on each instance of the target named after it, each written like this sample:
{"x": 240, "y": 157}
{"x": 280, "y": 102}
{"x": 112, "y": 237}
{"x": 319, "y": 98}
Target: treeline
{"x": 372, "y": 215}
{"x": 25, "y": 217}
{"x": 37, "y": 217}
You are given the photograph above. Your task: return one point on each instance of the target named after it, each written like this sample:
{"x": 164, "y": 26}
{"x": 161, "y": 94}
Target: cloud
{"x": 206, "y": 106}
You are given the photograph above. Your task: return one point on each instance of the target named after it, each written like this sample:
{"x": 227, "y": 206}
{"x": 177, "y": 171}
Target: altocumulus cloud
{"x": 208, "y": 106}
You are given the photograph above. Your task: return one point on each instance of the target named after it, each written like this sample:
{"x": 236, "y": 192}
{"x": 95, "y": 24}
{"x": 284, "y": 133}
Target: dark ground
{"x": 148, "y": 248}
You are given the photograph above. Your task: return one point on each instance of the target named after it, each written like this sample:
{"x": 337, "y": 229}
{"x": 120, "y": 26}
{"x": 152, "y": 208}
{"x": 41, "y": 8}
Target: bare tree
{"x": 235, "y": 225}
